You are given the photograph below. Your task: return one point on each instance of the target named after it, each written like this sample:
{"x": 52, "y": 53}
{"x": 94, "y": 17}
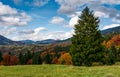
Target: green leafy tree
{"x": 86, "y": 45}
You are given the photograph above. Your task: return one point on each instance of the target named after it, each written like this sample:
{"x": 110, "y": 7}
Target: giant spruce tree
{"x": 86, "y": 45}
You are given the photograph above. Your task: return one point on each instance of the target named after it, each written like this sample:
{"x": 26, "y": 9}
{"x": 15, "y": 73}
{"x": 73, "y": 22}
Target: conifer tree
{"x": 86, "y": 45}
{"x": 112, "y": 55}
{"x": 48, "y": 59}
{"x": 21, "y": 58}
{"x": 1, "y": 58}
{"x": 36, "y": 59}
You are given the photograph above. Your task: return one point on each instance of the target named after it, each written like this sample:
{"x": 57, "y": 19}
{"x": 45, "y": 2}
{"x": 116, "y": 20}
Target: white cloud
{"x": 29, "y": 31}
{"x": 37, "y": 30}
{"x": 100, "y": 14}
{"x": 38, "y": 34}
{"x": 73, "y": 21}
{"x": 36, "y": 3}
{"x": 61, "y": 35}
{"x": 69, "y": 7}
{"x": 57, "y": 20}
{"x": 17, "y": 1}
{"x": 40, "y": 2}
{"x": 30, "y": 34}
{"x": 7, "y": 31}
{"x": 111, "y": 1}
{"x": 110, "y": 26}
{"x": 11, "y": 17}
{"x": 5, "y": 10}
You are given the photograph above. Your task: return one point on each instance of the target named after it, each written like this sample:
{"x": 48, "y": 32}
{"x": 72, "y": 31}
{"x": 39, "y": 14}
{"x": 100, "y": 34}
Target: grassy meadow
{"x": 59, "y": 71}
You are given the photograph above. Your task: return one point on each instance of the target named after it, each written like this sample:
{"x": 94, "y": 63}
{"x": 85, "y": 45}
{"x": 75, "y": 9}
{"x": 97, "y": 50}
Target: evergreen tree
{"x": 36, "y": 59}
{"x": 118, "y": 54}
{"x": 112, "y": 55}
{"x": 48, "y": 59}
{"x": 21, "y": 58}
{"x": 1, "y": 58}
{"x": 86, "y": 45}
{"x": 27, "y": 56}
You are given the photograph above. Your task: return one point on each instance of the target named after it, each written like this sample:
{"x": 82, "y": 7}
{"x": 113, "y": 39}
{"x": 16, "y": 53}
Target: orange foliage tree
{"x": 65, "y": 59}
{"x": 14, "y": 60}
{"x": 10, "y": 59}
{"x": 114, "y": 40}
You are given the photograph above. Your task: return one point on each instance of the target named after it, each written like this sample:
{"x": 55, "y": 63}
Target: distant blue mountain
{"x": 111, "y": 30}
{"x": 48, "y": 41}
{"x": 28, "y": 41}
{"x": 6, "y": 41}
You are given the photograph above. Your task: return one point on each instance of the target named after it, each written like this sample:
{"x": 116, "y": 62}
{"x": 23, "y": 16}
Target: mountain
{"x": 6, "y": 41}
{"x": 48, "y": 41}
{"x": 111, "y": 30}
{"x": 28, "y": 41}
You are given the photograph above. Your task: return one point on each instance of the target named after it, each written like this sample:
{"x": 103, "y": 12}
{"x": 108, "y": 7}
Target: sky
{"x": 52, "y": 19}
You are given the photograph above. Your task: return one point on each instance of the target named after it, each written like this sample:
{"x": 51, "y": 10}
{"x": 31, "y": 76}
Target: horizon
{"x": 52, "y": 19}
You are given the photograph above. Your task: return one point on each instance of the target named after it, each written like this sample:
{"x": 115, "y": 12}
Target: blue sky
{"x": 52, "y": 19}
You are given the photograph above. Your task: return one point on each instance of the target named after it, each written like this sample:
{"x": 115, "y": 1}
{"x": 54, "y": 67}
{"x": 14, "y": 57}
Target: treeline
{"x": 52, "y": 55}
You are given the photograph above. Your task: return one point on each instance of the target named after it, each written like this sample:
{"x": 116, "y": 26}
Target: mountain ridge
{"x": 6, "y": 41}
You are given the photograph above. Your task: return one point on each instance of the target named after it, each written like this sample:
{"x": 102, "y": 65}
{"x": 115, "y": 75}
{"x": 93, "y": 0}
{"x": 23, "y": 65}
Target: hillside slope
{"x": 6, "y": 41}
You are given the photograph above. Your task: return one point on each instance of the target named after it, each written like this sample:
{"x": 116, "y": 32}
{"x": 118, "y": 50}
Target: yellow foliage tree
{"x": 65, "y": 59}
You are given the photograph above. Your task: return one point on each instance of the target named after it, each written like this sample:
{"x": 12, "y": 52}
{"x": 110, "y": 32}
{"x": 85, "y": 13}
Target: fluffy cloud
{"x": 73, "y": 21}
{"x": 6, "y": 31}
{"x": 57, "y": 20}
{"x": 26, "y": 32}
{"x": 111, "y": 1}
{"x": 100, "y": 14}
{"x": 69, "y": 7}
{"x": 38, "y": 34}
{"x": 36, "y": 3}
{"x": 11, "y": 17}
{"x": 61, "y": 35}
{"x": 40, "y": 2}
{"x": 5, "y": 10}
{"x": 30, "y": 34}
{"x": 17, "y": 1}
{"x": 110, "y": 26}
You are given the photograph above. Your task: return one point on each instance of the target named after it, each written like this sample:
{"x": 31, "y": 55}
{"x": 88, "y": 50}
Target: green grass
{"x": 59, "y": 71}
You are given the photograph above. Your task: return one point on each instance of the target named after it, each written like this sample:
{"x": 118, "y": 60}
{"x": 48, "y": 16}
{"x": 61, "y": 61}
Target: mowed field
{"x": 59, "y": 71}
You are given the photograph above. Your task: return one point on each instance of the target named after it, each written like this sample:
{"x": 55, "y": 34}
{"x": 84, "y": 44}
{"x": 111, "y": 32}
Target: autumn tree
{"x": 6, "y": 59}
{"x": 65, "y": 59}
{"x": 86, "y": 45}
{"x": 14, "y": 60}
